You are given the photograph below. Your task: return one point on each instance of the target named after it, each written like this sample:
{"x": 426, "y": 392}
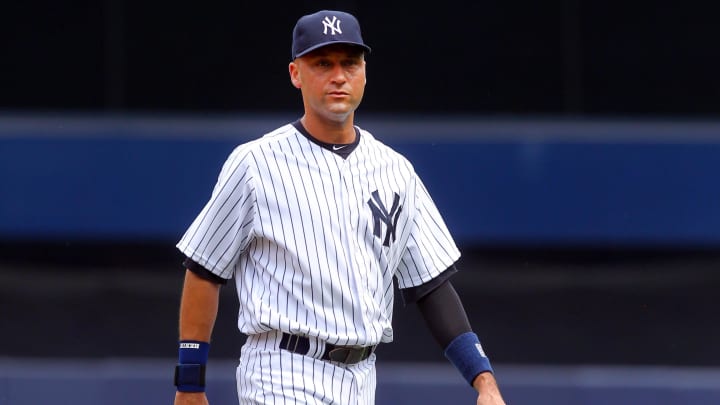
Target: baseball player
{"x": 314, "y": 220}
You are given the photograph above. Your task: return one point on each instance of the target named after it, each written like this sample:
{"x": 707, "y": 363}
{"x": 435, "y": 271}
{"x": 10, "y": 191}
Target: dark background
{"x": 562, "y": 59}
{"x": 578, "y": 58}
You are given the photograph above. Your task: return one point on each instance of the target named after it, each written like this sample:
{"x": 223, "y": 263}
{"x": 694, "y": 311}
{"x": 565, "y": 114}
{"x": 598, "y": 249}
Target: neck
{"x": 328, "y": 131}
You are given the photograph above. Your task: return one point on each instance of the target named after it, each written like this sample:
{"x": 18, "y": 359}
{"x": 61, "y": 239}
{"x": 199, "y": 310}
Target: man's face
{"x": 331, "y": 79}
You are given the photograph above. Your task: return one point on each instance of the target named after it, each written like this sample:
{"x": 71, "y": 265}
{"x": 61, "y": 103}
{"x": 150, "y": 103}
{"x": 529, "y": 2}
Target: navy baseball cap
{"x": 323, "y": 28}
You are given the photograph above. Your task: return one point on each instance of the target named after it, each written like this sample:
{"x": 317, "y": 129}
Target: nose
{"x": 337, "y": 74}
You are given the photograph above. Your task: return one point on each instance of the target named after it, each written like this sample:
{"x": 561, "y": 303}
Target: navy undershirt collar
{"x": 343, "y": 149}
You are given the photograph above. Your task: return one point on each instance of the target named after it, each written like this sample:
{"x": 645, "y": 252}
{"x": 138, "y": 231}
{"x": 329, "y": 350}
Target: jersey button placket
{"x": 350, "y": 208}
{"x": 360, "y": 266}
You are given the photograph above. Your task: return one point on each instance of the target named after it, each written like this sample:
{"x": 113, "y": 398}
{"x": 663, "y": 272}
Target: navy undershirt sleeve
{"x": 202, "y": 272}
{"x": 413, "y": 294}
{"x": 444, "y": 313}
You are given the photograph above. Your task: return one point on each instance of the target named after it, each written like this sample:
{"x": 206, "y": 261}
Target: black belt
{"x": 342, "y": 354}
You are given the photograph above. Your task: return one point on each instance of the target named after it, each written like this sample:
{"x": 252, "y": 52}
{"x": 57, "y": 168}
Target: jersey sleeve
{"x": 224, "y": 227}
{"x": 430, "y": 248}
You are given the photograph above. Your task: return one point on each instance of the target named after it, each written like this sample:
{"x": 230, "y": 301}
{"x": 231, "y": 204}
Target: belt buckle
{"x": 348, "y": 355}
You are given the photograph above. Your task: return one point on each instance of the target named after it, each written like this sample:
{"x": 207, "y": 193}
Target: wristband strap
{"x": 466, "y": 354}
{"x": 190, "y": 371}
{"x": 190, "y": 377}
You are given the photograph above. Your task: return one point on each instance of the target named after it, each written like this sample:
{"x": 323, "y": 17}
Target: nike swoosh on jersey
{"x": 338, "y": 147}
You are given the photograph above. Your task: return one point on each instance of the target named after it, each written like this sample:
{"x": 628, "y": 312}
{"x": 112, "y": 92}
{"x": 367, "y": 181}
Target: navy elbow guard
{"x": 190, "y": 371}
{"x": 467, "y": 355}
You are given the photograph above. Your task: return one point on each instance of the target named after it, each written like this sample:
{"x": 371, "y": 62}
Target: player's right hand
{"x": 190, "y": 398}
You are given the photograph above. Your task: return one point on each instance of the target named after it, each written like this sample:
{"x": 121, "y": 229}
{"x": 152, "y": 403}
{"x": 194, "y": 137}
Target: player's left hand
{"x": 488, "y": 392}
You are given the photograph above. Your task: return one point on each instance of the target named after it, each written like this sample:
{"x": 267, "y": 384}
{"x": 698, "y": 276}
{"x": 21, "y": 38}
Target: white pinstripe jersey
{"x": 314, "y": 240}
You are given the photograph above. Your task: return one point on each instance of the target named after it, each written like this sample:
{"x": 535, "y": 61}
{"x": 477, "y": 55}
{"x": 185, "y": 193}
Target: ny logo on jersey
{"x": 381, "y": 214}
{"x": 333, "y": 24}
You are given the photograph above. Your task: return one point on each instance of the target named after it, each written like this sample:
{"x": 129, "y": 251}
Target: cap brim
{"x": 317, "y": 46}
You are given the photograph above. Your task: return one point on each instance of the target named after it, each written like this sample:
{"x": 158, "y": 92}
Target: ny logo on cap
{"x": 333, "y": 24}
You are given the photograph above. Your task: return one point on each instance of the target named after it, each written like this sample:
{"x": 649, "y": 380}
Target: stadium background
{"x": 572, "y": 146}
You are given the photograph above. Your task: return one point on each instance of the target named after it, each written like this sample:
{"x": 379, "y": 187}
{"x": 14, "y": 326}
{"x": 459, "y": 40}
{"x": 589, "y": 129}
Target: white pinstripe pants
{"x": 268, "y": 375}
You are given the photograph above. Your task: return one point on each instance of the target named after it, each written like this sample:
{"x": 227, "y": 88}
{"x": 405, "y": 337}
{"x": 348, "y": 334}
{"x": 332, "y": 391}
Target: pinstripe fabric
{"x": 267, "y": 375}
{"x": 314, "y": 240}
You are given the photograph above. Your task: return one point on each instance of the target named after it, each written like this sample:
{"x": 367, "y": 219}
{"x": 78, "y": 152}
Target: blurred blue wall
{"x": 496, "y": 181}
{"x": 116, "y": 382}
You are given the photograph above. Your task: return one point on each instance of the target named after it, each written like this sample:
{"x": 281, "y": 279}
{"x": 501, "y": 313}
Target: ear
{"x": 365, "y": 69}
{"x": 294, "y": 75}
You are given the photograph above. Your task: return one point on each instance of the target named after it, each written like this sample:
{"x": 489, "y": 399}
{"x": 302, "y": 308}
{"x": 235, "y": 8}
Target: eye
{"x": 351, "y": 63}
